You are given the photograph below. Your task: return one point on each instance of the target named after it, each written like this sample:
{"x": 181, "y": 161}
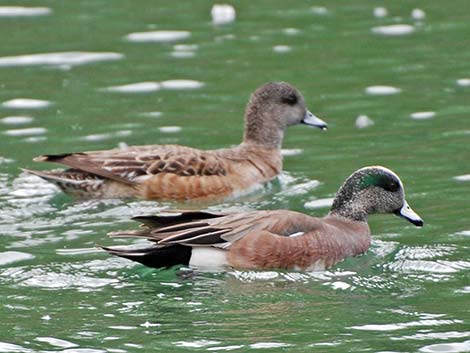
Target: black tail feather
{"x": 157, "y": 257}
{"x": 156, "y": 221}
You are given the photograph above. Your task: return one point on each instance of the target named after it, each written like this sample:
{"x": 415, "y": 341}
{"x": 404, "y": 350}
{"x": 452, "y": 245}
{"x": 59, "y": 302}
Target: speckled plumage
{"x": 275, "y": 239}
{"x": 181, "y": 173}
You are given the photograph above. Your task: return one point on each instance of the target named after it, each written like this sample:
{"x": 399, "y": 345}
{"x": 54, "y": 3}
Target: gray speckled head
{"x": 373, "y": 190}
{"x": 271, "y": 109}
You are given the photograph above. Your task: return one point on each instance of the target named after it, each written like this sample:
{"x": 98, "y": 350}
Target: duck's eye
{"x": 392, "y": 186}
{"x": 290, "y": 99}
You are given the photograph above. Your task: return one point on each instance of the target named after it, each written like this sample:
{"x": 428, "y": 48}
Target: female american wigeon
{"x": 274, "y": 239}
{"x": 180, "y": 172}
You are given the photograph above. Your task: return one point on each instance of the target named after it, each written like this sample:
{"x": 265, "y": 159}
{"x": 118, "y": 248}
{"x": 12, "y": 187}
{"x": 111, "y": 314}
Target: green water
{"x": 409, "y": 293}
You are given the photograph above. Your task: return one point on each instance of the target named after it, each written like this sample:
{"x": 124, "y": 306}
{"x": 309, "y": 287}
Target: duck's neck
{"x": 260, "y": 129}
{"x": 344, "y": 205}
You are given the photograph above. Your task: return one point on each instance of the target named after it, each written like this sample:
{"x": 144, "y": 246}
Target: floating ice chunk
{"x": 19, "y": 11}
{"x": 26, "y": 103}
{"x": 394, "y": 30}
{"x": 422, "y": 115}
{"x": 291, "y": 31}
{"x": 140, "y": 87}
{"x": 465, "y": 177}
{"x": 320, "y": 203}
{"x": 26, "y": 132}
{"x": 380, "y": 12}
{"x": 382, "y": 90}
{"x": 181, "y": 84}
{"x": 464, "y": 82}
{"x": 158, "y": 36}
{"x": 282, "y": 48}
{"x": 8, "y": 257}
{"x": 223, "y": 14}
{"x": 418, "y": 14}
{"x": 72, "y": 58}
{"x": 16, "y": 120}
{"x": 319, "y": 10}
{"x": 364, "y": 121}
{"x": 169, "y": 129}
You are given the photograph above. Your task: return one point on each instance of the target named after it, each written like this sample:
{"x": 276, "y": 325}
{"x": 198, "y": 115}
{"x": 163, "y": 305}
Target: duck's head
{"x": 373, "y": 190}
{"x": 272, "y": 108}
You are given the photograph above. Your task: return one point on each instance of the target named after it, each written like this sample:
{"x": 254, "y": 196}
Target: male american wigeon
{"x": 279, "y": 239}
{"x": 180, "y": 172}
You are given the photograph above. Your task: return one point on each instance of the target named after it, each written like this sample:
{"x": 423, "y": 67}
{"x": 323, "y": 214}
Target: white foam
{"x": 71, "y": 58}
{"x": 223, "y": 14}
{"x": 26, "y": 103}
{"x": 418, "y": 14}
{"x": 465, "y": 177}
{"x": 394, "y": 30}
{"x": 320, "y": 203}
{"x": 16, "y": 120}
{"x": 22, "y": 11}
{"x": 169, "y": 129}
{"x": 26, "y": 132}
{"x": 422, "y": 115}
{"x": 9, "y": 257}
{"x": 158, "y": 36}
{"x": 181, "y": 84}
{"x": 319, "y": 10}
{"x": 382, "y": 90}
{"x": 282, "y": 48}
{"x": 139, "y": 87}
{"x": 464, "y": 82}
{"x": 380, "y": 12}
{"x": 364, "y": 121}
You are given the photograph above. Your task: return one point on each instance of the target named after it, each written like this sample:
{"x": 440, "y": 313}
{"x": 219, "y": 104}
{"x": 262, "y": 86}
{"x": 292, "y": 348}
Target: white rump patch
{"x": 208, "y": 258}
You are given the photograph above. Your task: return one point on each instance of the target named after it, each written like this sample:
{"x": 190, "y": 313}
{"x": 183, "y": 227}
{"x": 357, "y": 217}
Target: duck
{"x": 174, "y": 172}
{"x": 272, "y": 239}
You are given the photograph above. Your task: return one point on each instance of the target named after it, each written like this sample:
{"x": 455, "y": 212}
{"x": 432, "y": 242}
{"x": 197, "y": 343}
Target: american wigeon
{"x": 274, "y": 239}
{"x": 180, "y": 172}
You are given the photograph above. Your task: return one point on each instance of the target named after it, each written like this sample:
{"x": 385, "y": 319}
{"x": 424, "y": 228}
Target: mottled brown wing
{"x": 126, "y": 165}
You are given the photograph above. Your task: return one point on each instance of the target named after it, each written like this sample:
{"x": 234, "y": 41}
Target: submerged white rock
{"x": 382, "y": 90}
{"x": 393, "y": 30}
{"x": 282, "y": 48}
{"x": 181, "y": 84}
{"x": 380, "y": 12}
{"x": 223, "y": 14}
{"x": 26, "y": 103}
{"x": 364, "y": 121}
{"x": 23, "y": 11}
{"x": 70, "y": 58}
{"x": 139, "y": 87}
{"x": 418, "y": 14}
{"x": 422, "y": 115}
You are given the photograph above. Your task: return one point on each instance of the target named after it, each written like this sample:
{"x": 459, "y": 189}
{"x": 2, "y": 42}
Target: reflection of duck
{"x": 274, "y": 239}
{"x": 179, "y": 172}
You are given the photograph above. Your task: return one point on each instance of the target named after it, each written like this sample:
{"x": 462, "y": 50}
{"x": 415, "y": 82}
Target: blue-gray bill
{"x": 407, "y": 213}
{"x": 315, "y": 121}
